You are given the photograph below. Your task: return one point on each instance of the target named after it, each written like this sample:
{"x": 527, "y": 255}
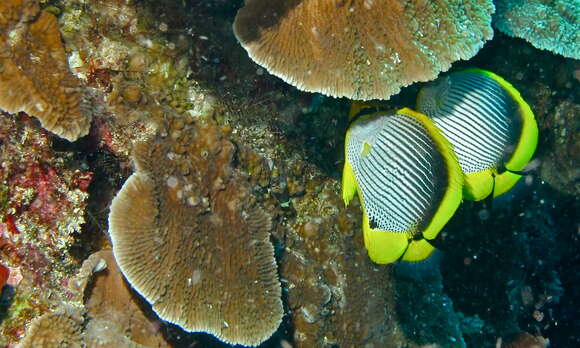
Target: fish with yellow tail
{"x": 491, "y": 128}
{"x": 408, "y": 181}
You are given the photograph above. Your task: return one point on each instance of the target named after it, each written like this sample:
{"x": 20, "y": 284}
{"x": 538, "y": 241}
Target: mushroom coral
{"x": 550, "y": 25}
{"x": 361, "y": 49}
{"x": 188, "y": 237}
{"x": 34, "y": 73}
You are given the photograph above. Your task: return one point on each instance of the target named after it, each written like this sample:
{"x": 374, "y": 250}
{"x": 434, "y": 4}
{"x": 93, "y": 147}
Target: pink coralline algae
{"x": 43, "y": 196}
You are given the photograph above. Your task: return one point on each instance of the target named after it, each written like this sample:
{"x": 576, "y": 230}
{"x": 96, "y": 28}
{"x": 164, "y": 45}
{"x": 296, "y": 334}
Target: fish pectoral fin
{"x": 366, "y": 149}
{"x": 348, "y": 186}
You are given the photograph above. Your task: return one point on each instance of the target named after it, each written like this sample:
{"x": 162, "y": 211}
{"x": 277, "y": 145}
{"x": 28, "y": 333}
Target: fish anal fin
{"x": 383, "y": 246}
{"x": 478, "y": 185}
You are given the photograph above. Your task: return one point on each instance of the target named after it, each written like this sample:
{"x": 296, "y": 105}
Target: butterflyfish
{"x": 491, "y": 128}
{"x": 407, "y": 178}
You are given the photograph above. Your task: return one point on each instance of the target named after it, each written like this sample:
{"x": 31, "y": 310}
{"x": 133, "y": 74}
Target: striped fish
{"x": 408, "y": 182}
{"x": 492, "y": 129}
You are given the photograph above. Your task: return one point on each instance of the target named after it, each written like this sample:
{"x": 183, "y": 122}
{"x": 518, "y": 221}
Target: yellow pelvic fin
{"x": 348, "y": 186}
{"x": 453, "y": 192}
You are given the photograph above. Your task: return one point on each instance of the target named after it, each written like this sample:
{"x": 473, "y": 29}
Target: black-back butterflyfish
{"x": 408, "y": 182}
{"x": 492, "y": 129}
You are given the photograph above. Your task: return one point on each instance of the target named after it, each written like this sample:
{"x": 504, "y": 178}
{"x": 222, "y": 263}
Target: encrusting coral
{"x": 188, "y": 237}
{"x": 104, "y": 314}
{"x": 361, "y": 49}
{"x": 34, "y": 73}
{"x": 549, "y": 25}
{"x": 114, "y": 316}
{"x": 61, "y": 328}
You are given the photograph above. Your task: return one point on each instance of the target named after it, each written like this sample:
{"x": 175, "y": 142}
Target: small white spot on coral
{"x": 172, "y": 182}
{"x": 193, "y": 201}
{"x": 196, "y": 277}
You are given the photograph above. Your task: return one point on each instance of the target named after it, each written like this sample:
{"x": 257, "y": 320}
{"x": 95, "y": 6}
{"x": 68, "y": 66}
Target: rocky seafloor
{"x": 509, "y": 271}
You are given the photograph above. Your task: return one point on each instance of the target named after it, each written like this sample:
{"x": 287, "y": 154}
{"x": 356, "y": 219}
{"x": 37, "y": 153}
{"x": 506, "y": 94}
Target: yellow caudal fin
{"x": 418, "y": 250}
{"x": 504, "y": 182}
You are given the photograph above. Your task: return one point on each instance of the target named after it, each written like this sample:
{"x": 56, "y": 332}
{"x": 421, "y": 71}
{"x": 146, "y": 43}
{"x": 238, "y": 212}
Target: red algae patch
{"x": 188, "y": 236}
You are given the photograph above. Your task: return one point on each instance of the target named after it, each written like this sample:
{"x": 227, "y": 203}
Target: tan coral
{"x": 61, "y": 328}
{"x": 34, "y": 73}
{"x": 361, "y": 49}
{"x": 188, "y": 237}
{"x": 111, "y": 316}
{"x": 115, "y": 317}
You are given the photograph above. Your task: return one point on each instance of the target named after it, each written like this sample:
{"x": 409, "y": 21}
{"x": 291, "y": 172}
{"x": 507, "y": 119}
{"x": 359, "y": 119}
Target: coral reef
{"x": 335, "y": 294}
{"x": 149, "y": 62}
{"x": 362, "y": 49}
{"x": 114, "y": 314}
{"x": 562, "y": 130}
{"x": 35, "y": 77}
{"x": 188, "y": 237}
{"x": 549, "y": 25}
{"x": 135, "y": 61}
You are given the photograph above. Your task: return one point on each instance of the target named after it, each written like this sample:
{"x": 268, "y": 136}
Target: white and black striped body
{"x": 476, "y": 115}
{"x": 400, "y": 174}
